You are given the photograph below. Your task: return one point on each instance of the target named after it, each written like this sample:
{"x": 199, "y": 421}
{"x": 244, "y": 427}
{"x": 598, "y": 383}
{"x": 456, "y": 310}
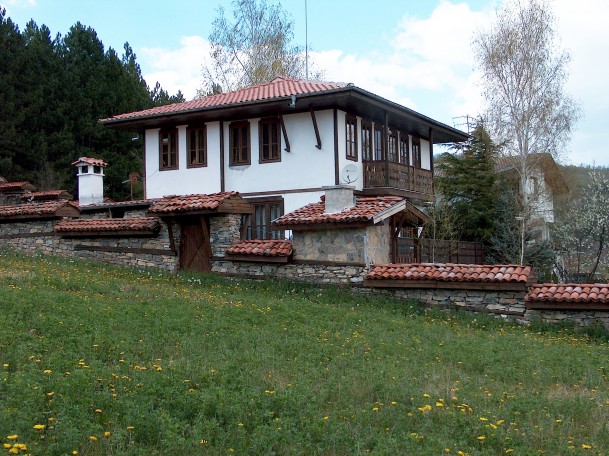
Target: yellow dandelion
{"x": 585, "y": 446}
{"x": 426, "y": 395}
{"x": 107, "y": 434}
{"x": 130, "y": 428}
{"x": 509, "y": 451}
{"x": 98, "y": 411}
{"x": 7, "y": 445}
{"x": 47, "y": 371}
{"x": 39, "y": 427}
{"x": 439, "y": 404}
{"x": 13, "y": 451}
{"x": 203, "y": 442}
{"x": 74, "y": 452}
{"x": 481, "y": 437}
{"x": 5, "y": 365}
{"x": 92, "y": 438}
{"x": 12, "y": 437}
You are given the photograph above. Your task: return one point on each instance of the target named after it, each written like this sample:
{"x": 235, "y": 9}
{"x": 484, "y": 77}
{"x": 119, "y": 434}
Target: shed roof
{"x": 108, "y": 226}
{"x": 48, "y": 209}
{"x": 223, "y": 202}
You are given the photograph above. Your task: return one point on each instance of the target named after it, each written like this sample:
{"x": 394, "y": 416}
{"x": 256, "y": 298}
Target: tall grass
{"x": 99, "y": 360}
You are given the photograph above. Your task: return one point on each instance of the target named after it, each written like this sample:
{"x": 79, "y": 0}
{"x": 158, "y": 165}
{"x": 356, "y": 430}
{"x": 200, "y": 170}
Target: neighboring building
{"x": 279, "y": 144}
{"x": 544, "y": 184}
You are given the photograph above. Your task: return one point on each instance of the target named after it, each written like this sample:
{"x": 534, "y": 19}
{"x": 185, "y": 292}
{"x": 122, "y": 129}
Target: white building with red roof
{"x": 278, "y": 144}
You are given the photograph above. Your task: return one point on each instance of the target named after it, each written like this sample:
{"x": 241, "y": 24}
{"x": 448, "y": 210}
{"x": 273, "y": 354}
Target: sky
{"x": 417, "y": 53}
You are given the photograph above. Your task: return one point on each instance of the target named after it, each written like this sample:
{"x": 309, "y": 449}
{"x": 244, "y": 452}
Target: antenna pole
{"x": 306, "y": 42}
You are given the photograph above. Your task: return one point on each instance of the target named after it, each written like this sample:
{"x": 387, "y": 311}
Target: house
{"x": 278, "y": 144}
{"x": 544, "y": 184}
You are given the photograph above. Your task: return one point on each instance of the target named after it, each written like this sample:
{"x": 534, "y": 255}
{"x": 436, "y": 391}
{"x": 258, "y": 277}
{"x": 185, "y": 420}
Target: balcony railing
{"x": 382, "y": 173}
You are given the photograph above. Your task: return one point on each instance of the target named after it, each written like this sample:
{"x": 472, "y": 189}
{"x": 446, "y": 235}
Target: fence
{"x": 410, "y": 250}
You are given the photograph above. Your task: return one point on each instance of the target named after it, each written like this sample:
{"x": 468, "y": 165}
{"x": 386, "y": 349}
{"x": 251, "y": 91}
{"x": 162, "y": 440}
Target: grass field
{"x": 107, "y": 361}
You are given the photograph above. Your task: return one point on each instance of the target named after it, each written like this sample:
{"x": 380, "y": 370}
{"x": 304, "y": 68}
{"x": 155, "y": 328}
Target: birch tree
{"x": 252, "y": 48}
{"x": 523, "y": 72}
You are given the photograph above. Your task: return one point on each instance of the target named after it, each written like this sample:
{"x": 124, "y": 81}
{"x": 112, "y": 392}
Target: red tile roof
{"x": 90, "y": 161}
{"x": 107, "y": 225}
{"x": 271, "y": 248}
{"x": 190, "y": 203}
{"x": 46, "y": 195}
{"x": 48, "y": 208}
{"x": 13, "y": 186}
{"x": 568, "y": 293}
{"x": 278, "y": 88}
{"x": 450, "y": 272}
{"x": 365, "y": 209}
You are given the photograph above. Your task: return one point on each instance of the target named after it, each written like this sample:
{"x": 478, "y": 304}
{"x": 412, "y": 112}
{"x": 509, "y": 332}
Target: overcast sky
{"x": 416, "y": 53}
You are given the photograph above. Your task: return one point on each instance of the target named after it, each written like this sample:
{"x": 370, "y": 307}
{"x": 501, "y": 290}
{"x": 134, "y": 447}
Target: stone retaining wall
{"x": 38, "y": 237}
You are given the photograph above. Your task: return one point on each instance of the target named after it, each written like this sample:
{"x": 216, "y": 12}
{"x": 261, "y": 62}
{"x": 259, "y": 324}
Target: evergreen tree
{"x": 467, "y": 184}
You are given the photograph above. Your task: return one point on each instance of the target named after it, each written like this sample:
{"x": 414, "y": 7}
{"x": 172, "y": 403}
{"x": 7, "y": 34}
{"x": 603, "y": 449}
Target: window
{"x": 366, "y": 141}
{"x": 270, "y": 142}
{"x": 239, "y": 143}
{"x": 392, "y": 146}
{"x": 351, "y": 135}
{"x": 258, "y": 225}
{"x": 168, "y": 149}
{"x": 416, "y": 152}
{"x": 404, "y": 158}
{"x": 378, "y": 143}
{"x": 197, "y": 146}
{"x": 84, "y": 169}
{"x": 96, "y": 169}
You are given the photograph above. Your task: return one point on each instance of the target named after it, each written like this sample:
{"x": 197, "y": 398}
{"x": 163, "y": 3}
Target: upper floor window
{"x": 392, "y": 146}
{"x": 270, "y": 142}
{"x": 366, "y": 141}
{"x": 379, "y": 142}
{"x": 404, "y": 158}
{"x": 197, "y": 146}
{"x": 168, "y": 147}
{"x": 351, "y": 135}
{"x": 416, "y": 152}
{"x": 240, "y": 143}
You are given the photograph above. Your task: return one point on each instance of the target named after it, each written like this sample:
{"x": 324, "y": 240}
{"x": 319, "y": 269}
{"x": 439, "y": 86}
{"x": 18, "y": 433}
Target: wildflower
{"x": 439, "y": 404}
{"x": 326, "y": 418}
{"x": 481, "y": 437}
{"x": 39, "y": 427}
{"x": 50, "y": 393}
{"x": 107, "y": 434}
{"x": 92, "y": 438}
{"x": 13, "y": 451}
{"x": 425, "y": 395}
{"x": 47, "y": 371}
{"x": 98, "y": 411}
{"x": 394, "y": 403}
{"x": 74, "y": 452}
{"x": 12, "y": 437}
{"x": 5, "y": 365}
{"x": 203, "y": 442}
{"x": 130, "y": 428}
{"x": 7, "y": 445}
{"x": 585, "y": 446}
{"x": 509, "y": 451}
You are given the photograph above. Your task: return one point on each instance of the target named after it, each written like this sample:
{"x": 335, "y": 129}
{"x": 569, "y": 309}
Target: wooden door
{"x": 195, "y": 247}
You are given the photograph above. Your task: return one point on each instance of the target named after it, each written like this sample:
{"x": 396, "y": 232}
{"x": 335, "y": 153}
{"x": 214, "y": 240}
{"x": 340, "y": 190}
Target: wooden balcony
{"x": 405, "y": 179}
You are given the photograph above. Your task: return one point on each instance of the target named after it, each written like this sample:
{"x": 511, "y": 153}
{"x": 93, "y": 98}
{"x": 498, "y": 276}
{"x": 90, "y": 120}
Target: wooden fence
{"x": 410, "y": 250}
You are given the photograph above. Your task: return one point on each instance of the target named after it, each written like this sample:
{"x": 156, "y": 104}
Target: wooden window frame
{"x": 367, "y": 144}
{"x": 173, "y": 140}
{"x": 269, "y": 122}
{"x": 404, "y": 149}
{"x": 199, "y": 150}
{"x": 375, "y": 148}
{"x": 392, "y": 146}
{"x": 351, "y": 137}
{"x": 416, "y": 152}
{"x": 244, "y": 151}
{"x": 251, "y": 227}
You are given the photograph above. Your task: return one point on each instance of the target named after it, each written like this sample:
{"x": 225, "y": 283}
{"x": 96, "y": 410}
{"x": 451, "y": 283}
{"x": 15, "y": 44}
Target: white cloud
{"x": 177, "y": 69}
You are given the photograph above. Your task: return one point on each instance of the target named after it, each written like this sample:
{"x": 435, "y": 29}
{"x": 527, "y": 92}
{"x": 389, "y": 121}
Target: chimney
{"x": 338, "y": 198}
{"x": 90, "y": 172}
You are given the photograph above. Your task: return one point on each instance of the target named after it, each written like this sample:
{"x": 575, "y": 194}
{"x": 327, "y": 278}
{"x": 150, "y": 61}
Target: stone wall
{"x": 38, "y": 237}
{"x": 304, "y": 272}
{"x": 223, "y": 231}
{"x": 366, "y": 245}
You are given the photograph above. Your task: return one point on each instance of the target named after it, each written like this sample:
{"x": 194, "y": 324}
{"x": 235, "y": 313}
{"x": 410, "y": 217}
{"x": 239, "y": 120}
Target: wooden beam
{"x": 318, "y": 145}
{"x": 172, "y": 241}
{"x": 222, "y": 180}
{"x": 285, "y": 134}
{"x": 257, "y": 258}
{"x": 336, "y": 170}
{"x": 28, "y": 235}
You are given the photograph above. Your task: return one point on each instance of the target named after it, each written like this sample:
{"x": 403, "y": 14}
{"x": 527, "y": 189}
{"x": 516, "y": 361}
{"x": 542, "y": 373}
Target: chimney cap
{"x": 90, "y": 161}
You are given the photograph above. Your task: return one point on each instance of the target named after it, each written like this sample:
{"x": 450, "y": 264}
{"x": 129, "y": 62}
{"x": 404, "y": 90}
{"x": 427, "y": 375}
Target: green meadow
{"x": 96, "y": 360}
